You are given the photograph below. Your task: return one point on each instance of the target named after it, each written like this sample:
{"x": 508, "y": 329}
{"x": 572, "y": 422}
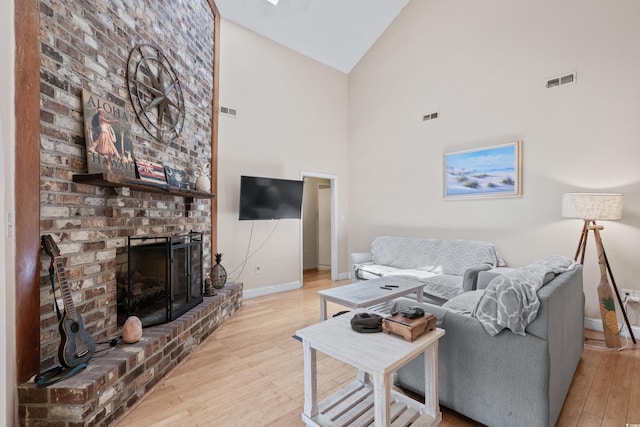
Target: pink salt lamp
{"x": 132, "y": 330}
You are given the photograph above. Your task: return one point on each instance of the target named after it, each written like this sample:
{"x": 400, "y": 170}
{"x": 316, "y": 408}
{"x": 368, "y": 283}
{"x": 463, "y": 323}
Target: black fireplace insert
{"x": 164, "y": 278}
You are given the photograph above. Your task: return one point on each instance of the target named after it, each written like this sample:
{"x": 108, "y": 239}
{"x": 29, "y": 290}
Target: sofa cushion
{"x": 465, "y": 303}
{"x": 434, "y": 255}
{"x": 485, "y": 277}
{"x": 445, "y": 286}
{"x": 418, "y": 274}
{"x": 369, "y": 271}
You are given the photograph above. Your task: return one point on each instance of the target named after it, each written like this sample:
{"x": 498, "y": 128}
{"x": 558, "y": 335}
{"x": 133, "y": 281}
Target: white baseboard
{"x": 596, "y": 325}
{"x": 283, "y": 287}
{"x": 343, "y": 276}
{"x": 268, "y": 290}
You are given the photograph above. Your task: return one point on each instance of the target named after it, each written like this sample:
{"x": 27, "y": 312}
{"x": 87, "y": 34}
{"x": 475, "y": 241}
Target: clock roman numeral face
{"x": 155, "y": 92}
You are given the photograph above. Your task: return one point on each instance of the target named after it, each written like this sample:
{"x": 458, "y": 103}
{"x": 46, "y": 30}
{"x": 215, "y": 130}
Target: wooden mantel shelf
{"x": 107, "y": 179}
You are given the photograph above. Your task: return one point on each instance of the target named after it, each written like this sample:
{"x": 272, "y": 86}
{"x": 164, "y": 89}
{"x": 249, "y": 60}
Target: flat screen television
{"x": 270, "y": 198}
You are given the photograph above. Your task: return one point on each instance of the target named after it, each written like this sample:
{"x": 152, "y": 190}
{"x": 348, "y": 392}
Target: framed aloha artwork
{"x": 107, "y": 128}
{"x": 493, "y": 171}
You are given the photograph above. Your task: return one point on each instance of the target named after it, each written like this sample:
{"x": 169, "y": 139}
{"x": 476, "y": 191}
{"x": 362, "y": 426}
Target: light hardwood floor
{"x": 249, "y": 373}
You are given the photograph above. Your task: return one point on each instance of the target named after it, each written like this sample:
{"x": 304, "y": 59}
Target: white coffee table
{"x": 369, "y": 398}
{"x": 368, "y": 293}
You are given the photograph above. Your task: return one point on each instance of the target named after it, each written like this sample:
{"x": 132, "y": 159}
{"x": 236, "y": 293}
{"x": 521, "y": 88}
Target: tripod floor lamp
{"x": 592, "y": 207}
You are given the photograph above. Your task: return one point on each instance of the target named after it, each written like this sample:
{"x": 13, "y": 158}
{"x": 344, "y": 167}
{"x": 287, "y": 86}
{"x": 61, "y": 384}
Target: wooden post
{"x": 605, "y": 296}
{"x": 27, "y": 189}
{"x": 582, "y": 243}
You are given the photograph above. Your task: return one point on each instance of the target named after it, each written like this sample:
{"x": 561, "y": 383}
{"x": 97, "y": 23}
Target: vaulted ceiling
{"x": 334, "y": 32}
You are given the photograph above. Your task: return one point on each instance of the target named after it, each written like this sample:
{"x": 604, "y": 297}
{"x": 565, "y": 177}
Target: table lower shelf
{"x": 353, "y": 406}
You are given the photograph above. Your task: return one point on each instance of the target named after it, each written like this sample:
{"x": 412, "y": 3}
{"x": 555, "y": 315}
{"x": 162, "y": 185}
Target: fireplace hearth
{"x": 161, "y": 278}
{"x": 114, "y": 381}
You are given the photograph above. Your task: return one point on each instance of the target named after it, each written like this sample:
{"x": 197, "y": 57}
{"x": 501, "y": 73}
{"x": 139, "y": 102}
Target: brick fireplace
{"x": 85, "y": 45}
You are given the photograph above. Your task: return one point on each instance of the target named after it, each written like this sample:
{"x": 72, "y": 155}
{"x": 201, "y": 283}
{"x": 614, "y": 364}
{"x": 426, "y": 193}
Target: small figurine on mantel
{"x": 209, "y": 290}
{"x": 203, "y": 180}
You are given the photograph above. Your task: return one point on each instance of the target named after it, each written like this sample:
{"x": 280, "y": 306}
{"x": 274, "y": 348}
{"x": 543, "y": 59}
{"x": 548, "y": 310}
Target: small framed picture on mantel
{"x": 176, "y": 177}
{"x": 150, "y": 171}
{"x": 493, "y": 171}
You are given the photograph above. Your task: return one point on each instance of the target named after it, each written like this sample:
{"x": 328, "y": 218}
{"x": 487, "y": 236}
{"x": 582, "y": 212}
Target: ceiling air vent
{"x": 228, "y": 111}
{"x": 430, "y": 116}
{"x": 562, "y": 80}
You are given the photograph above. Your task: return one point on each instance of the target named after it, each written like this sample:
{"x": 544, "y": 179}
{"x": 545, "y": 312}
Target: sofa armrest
{"x": 404, "y": 302}
{"x": 470, "y": 278}
{"x": 359, "y": 258}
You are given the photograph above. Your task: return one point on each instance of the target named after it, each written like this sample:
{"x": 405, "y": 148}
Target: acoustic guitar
{"x": 77, "y": 345}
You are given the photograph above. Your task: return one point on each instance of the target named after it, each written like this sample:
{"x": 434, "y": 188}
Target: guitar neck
{"x": 69, "y": 308}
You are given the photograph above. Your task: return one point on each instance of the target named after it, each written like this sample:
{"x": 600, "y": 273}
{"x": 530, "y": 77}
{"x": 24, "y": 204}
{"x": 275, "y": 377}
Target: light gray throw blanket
{"x": 511, "y": 300}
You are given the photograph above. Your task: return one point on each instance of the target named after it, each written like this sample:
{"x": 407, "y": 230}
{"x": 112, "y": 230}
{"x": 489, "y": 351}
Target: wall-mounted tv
{"x": 270, "y": 198}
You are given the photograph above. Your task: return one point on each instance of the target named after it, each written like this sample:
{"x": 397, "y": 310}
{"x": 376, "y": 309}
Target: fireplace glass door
{"x": 164, "y": 278}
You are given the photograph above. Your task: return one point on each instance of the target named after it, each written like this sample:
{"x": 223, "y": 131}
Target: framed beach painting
{"x": 483, "y": 172}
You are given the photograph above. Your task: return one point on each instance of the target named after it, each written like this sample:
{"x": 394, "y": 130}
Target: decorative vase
{"x": 218, "y": 273}
{"x": 203, "y": 181}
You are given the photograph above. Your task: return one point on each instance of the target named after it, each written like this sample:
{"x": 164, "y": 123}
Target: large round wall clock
{"x": 155, "y": 92}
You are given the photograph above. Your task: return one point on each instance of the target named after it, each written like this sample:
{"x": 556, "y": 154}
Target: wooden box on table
{"x": 407, "y": 328}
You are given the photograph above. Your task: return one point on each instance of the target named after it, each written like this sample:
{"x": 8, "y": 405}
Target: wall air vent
{"x": 430, "y": 116}
{"x": 228, "y": 111}
{"x": 561, "y": 80}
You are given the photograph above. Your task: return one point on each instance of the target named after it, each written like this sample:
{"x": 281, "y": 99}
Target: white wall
{"x": 291, "y": 116}
{"x": 7, "y": 244}
{"x": 483, "y": 66}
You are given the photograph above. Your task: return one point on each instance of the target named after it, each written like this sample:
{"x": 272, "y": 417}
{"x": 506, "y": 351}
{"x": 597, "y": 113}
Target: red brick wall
{"x": 85, "y": 45}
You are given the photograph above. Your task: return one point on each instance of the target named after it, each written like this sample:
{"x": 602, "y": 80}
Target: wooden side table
{"x": 368, "y": 293}
{"x": 369, "y": 398}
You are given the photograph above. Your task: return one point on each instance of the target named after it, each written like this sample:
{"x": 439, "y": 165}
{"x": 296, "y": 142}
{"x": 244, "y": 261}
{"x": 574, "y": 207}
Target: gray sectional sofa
{"x": 447, "y": 267}
{"x": 506, "y": 379}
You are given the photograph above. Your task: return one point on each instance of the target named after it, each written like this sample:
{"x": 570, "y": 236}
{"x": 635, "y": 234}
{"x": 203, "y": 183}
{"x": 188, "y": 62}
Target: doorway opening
{"x": 319, "y": 228}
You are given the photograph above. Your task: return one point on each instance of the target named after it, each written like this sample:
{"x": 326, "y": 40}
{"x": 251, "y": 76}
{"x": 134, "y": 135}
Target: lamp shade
{"x": 592, "y": 206}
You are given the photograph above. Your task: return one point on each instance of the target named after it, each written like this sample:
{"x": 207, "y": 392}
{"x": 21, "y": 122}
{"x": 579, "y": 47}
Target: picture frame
{"x": 150, "y": 171}
{"x": 493, "y": 171}
{"x": 107, "y": 127}
{"x": 176, "y": 177}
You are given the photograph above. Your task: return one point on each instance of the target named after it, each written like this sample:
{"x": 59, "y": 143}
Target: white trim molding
{"x": 334, "y": 221}
{"x": 268, "y": 290}
{"x": 596, "y": 325}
